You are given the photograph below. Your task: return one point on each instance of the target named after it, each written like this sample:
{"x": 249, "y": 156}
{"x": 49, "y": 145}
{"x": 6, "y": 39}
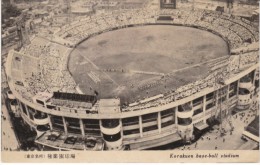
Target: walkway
{"x": 212, "y": 140}
{"x": 9, "y": 140}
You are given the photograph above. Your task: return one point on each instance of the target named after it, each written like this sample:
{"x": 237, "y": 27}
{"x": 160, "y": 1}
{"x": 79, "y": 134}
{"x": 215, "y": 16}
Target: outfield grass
{"x": 157, "y": 48}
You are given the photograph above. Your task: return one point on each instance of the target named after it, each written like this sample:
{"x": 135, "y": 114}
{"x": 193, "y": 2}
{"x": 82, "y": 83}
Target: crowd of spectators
{"x": 212, "y": 80}
{"x": 234, "y": 29}
{"x": 53, "y": 75}
{"x": 249, "y": 58}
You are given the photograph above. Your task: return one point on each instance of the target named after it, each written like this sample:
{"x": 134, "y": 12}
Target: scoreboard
{"x": 168, "y": 4}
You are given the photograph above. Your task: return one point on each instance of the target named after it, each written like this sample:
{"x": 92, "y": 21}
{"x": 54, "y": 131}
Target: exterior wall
{"x": 157, "y": 123}
{"x": 117, "y": 145}
{"x": 246, "y": 90}
{"x": 41, "y": 121}
{"x": 186, "y": 131}
{"x": 111, "y": 131}
{"x": 244, "y": 101}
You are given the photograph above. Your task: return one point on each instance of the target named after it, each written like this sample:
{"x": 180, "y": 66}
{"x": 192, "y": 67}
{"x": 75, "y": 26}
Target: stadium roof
{"x": 74, "y": 97}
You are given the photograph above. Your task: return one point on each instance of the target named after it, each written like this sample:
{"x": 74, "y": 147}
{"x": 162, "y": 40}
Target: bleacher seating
{"x": 53, "y": 75}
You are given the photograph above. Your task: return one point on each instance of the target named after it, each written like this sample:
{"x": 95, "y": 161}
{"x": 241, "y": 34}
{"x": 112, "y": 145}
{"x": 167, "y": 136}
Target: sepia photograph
{"x": 130, "y": 81}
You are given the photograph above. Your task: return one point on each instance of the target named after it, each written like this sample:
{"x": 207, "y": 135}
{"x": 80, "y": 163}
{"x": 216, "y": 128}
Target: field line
{"x": 88, "y": 60}
{"x": 97, "y": 67}
{"x": 195, "y": 65}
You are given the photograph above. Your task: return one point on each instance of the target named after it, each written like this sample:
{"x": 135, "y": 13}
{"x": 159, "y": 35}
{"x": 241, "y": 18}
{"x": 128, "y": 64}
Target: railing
{"x": 41, "y": 120}
{"x": 185, "y": 114}
{"x": 132, "y": 127}
{"x": 246, "y": 85}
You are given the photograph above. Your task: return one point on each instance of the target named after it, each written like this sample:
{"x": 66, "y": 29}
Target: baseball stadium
{"x": 135, "y": 79}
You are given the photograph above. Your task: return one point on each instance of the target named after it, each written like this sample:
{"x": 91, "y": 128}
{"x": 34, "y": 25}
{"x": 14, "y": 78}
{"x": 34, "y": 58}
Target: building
{"x": 104, "y": 121}
{"x": 71, "y": 121}
{"x": 252, "y": 130}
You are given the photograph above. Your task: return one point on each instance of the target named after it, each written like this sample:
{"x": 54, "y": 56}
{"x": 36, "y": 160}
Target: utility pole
{"x": 230, "y": 6}
{"x": 193, "y": 5}
{"x": 68, "y": 10}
